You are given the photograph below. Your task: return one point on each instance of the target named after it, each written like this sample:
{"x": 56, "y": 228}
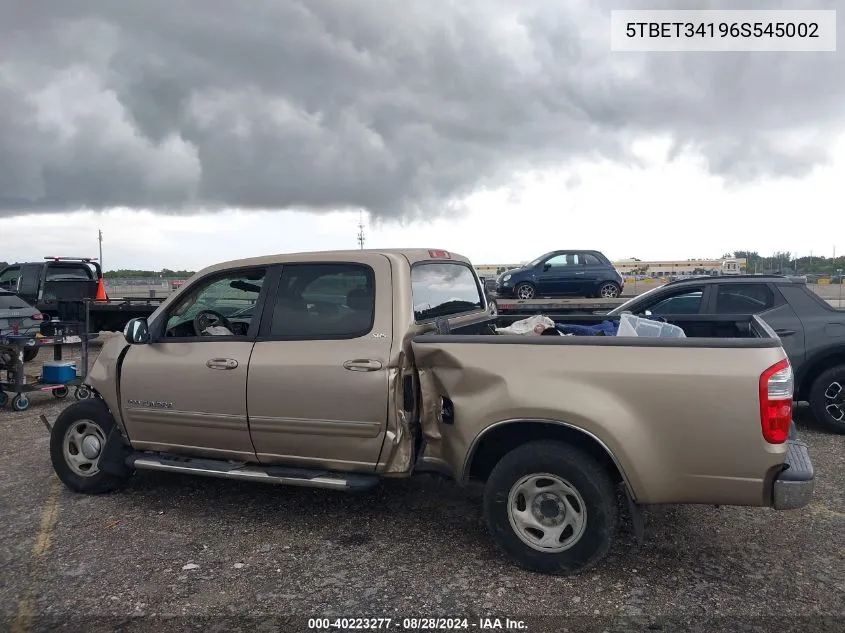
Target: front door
{"x": 561, "y": 275}
{"x": 318, "y": 377}
{"x": 185, "y": 391}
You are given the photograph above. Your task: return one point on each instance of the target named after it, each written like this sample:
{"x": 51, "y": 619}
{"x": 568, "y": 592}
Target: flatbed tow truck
{"x": 45, "y": 284}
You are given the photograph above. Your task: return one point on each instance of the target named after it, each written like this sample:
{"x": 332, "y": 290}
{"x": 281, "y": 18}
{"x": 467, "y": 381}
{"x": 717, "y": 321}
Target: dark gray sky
{"x": 401, "y": 108}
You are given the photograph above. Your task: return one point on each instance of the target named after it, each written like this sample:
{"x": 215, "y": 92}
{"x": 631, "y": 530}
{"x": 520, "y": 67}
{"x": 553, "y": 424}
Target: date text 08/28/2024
{"x": 415, "y": 624}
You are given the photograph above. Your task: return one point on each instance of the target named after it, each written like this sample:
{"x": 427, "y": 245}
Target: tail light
{"x": 776, "y": 386}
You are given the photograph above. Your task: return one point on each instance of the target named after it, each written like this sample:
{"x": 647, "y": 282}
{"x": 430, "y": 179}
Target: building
{"x": 680, "y": 267}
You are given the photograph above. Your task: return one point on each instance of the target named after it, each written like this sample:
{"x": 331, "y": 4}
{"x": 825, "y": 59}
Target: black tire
{"x": 584, "y": 475}
{"x": 29, "y": 354}
{"x": 83, "y": 413}
{"x": 527, "y": 289}
{"x": 60, "y": 393}
{"x": 609, "y": 290}
{"x": 822, "y": 405}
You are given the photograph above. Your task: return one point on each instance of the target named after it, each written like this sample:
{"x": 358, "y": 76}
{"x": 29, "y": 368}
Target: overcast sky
{"x": 194, "y": 131}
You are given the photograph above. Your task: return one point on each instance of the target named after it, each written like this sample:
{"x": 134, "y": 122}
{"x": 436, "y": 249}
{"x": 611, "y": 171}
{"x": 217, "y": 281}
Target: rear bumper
{"x": 793, "y": 486}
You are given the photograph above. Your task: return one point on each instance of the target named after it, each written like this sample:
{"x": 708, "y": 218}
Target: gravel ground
{"x": 181, "y": 546}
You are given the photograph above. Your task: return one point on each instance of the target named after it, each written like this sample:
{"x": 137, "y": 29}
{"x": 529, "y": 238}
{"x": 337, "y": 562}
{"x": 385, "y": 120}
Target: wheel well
{"x": 815, "y": 371}
{"x": 494, "y": 444}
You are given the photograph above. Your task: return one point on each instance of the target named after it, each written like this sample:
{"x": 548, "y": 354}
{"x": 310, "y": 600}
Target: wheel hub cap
{"x": 835, "y": 399}
{"x": 91, "y": 447}
{"x": 546, "y": 512}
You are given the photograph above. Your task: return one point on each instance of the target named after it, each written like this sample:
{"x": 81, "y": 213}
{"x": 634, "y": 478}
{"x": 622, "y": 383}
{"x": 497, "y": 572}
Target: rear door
{"x": 765, "y": 301}
{"x": 318, "y": 377}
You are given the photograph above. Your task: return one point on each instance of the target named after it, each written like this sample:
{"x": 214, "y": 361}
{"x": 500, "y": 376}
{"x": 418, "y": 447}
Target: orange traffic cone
{"x": 101, "y": 291}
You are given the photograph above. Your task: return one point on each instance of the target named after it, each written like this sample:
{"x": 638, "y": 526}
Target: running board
{"x": 252, "y": 472}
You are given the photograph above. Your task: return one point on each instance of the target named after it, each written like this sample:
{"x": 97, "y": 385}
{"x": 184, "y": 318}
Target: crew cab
{"x": 811, "y": 331}
{"x": 336, "y": 369}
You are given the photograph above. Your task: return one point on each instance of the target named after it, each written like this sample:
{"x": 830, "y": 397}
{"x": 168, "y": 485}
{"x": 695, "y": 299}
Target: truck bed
{"x": 715, "y": 329}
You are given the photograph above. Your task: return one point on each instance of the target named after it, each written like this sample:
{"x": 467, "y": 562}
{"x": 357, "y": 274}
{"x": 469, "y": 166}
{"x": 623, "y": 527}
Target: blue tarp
{"x": 605, "y": 328}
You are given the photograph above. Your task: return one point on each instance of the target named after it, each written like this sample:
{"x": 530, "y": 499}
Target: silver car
{"x": 17, "y": 316}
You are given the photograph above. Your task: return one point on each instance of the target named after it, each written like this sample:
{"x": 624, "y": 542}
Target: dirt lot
{"x": 409, "y": 549}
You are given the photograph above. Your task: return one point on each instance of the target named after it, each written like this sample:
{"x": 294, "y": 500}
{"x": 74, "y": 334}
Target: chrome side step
{"x": 252, "y": 472}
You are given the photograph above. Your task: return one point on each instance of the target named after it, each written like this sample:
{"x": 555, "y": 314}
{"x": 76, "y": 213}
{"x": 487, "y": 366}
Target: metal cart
{"x": 70, "y": 329}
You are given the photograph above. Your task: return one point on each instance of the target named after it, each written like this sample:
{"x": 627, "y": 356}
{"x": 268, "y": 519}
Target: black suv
{"x": 811, "y": 331}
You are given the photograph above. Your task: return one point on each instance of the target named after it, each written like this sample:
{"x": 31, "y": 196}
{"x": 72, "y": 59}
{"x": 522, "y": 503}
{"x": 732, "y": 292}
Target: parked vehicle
{"x": 17, "y": 316}
{"x": 561, "y": 273}
{"x": 811, "y": 330}
{"x": 335, "y": 369}
{"x": 43, "y": 284}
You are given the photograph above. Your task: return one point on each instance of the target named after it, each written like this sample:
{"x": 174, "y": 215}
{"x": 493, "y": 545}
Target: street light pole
{"x": 100, "y": 238}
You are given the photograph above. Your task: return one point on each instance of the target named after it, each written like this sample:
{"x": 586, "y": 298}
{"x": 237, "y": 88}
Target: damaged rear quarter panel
{"x": 683, "y": 424}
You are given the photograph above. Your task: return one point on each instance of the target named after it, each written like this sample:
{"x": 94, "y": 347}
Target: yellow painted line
{"x": 43, "y": 541}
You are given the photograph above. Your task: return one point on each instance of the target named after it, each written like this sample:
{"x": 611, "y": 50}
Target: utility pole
{"x": 100, "y": 238}
{"x": 361, "y": 237}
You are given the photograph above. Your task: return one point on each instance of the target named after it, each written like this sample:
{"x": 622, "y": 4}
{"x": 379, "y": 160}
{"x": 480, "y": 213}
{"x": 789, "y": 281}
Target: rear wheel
{"x": 551, "y": 508}
{"x": 525, "y": 290}
{"x": 76, "y": 443}
{"x": 609, "y": 290}
{"x": 827, "y": 399}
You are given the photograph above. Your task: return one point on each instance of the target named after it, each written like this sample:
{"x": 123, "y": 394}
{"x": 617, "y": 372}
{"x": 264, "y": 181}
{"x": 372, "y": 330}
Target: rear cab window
{"x": 444, "y": 289}
{"x": 68, "y": 272}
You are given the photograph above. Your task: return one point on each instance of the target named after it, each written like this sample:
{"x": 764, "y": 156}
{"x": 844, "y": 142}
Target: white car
{"x": 17, "y": 316}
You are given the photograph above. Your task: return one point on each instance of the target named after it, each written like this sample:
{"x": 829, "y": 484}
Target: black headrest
{"x": 359, "y": 299}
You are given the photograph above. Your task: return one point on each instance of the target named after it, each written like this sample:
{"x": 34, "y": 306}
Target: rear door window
{"x": 324, "y": 301}
{"x": 444, "y": 289}
{"x": 744, "y": 298}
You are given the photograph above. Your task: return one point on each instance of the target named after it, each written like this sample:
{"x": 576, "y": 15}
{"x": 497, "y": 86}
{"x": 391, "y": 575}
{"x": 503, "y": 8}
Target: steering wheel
{"x": 206, "y": 318}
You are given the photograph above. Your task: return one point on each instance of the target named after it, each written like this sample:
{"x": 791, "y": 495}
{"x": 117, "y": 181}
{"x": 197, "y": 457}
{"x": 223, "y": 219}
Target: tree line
{"x": 785, "y": 262}
{"x": 164, "y": 273}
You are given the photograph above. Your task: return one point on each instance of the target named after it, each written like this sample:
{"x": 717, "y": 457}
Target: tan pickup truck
{"x": 336, "y": 369}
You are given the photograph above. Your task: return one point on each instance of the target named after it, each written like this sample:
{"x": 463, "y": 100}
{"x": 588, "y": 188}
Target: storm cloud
{"x": 399, "y": 108}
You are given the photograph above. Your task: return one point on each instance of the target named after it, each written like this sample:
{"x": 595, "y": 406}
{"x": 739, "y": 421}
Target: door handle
{"x": 362, "y": 364}
{"x": 784, "y": 332}
{"x": 579, "y": 273}
{"x": 222, "y": 363}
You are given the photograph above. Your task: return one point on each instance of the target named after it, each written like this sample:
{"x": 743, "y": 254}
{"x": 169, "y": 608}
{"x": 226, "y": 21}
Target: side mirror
{"x": 137, "y": 332}
{"x": 547, "y": 267}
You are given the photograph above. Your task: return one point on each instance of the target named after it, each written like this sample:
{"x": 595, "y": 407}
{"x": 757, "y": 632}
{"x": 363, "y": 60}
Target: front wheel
{"x": 76, "y": 443}
{"x": 29, "y": 354}
{"x": 551, "y": 508}
{"x": 827, "y": 399}
{"x": 524, "y": 291}
{"x": 609, "y": 290}
{"x": 20, "y": 402}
